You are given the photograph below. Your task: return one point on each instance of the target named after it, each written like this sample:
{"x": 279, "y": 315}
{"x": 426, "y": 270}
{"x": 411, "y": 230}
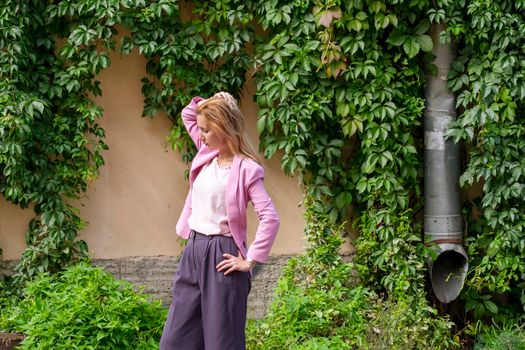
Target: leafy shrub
{"x": 84, "y": 308}
{"x": 318, "y": 305}
{"x": 315, "y": 306}
{"x": 407, "y": 321}
{"x": 312, "y": 318}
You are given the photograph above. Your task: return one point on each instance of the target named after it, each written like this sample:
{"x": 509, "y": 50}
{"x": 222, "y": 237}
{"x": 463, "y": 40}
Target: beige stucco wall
{"x": 133, "y": 206}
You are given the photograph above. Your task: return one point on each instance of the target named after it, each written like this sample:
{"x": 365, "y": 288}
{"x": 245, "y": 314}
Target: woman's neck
{"x": 225, "y": 158}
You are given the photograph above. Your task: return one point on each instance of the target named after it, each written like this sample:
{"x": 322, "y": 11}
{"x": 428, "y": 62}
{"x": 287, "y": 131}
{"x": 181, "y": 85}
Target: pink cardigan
{"x": 245, "y": 183}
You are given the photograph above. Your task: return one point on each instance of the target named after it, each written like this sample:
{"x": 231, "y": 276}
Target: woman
{"x": 212, "y": 282}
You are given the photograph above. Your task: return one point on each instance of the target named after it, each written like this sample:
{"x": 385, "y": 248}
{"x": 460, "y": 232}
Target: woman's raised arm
{"x": 189, "y": 118}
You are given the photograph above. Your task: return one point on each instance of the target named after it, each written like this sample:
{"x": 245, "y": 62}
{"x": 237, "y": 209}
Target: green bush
{"x": 84, "y": 308}
{"x": 318, "y": 305}
{"x": 406, "y": 321}
{"x": 313, "y": 311}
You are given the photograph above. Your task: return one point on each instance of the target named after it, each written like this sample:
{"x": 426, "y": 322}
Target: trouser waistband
{"x": 198, "y": 236}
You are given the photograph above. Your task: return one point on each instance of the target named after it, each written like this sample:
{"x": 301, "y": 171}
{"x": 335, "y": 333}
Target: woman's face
{"x": 209, "y": 136}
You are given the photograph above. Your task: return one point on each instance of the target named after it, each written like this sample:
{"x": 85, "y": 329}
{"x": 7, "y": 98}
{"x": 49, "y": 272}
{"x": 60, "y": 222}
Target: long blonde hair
{"x": 227, "y": 120}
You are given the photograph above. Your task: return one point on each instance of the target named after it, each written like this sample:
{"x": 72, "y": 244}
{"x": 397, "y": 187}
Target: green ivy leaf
{"x": 411, "y": 47}
{"x": 425, "y": 41}
{"x": 397, "y": 38}
{"x": 39, "y": 106}
{"x": 261, "y": 124}
{"x": 423, "y": 27}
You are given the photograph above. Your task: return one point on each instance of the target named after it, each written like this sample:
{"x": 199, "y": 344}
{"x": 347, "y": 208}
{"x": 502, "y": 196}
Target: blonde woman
{"x": 213, "y": 278}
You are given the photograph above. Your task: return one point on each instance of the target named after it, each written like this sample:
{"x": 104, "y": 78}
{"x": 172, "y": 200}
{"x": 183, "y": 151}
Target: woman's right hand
{"x": 228, "y": 97}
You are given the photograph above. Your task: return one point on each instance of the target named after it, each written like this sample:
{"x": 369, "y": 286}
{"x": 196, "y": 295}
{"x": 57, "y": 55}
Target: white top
{"x": 208, "y": 199}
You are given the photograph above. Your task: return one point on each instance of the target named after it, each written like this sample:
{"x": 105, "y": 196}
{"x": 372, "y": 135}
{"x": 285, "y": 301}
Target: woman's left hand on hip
{"x": 233, "y": 263}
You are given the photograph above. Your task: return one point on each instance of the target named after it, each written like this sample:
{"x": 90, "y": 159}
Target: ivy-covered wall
{"x": 132, "y": 207}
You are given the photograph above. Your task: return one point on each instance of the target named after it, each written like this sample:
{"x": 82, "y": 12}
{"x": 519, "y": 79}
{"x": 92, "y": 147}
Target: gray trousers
{"x": 208, "y": 311}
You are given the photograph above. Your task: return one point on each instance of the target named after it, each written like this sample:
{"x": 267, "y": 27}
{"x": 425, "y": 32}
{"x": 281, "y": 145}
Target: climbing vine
{"x": 192, "y": 49}
{"x": 51, "y": 145}
{"x": 340, "y": 89}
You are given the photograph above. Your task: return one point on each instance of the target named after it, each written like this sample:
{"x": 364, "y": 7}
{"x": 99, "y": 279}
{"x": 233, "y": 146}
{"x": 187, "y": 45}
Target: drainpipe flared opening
{"x": 448, "y": 271}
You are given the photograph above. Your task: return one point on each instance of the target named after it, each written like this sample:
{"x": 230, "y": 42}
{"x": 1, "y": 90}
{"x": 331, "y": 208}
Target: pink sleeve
{"x": 268, "y": 219}
{"x": 189, "y": 118}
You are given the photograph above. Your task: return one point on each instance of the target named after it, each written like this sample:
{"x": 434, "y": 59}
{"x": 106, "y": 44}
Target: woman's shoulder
{"x": 251, "y": 168}
{"x": 249, "y": 163}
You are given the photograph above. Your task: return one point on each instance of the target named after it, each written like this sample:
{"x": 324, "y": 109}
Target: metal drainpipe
{"x": 443, "y": 222}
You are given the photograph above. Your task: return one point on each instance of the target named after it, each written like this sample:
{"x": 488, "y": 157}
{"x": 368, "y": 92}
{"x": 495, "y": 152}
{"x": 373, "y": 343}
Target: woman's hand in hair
{"x": 234, "y": 263}
{"x": 228, "y": 97}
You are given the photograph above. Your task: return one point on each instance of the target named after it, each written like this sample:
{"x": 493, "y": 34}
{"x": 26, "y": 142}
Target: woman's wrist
{"x": 251, "y": 262}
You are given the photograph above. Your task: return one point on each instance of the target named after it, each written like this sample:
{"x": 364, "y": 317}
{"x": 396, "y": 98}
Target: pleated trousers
{"x": 208, "y": 311}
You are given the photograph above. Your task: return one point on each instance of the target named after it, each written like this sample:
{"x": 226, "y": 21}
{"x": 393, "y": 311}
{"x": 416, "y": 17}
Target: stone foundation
{"x": 156, "y": 273}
